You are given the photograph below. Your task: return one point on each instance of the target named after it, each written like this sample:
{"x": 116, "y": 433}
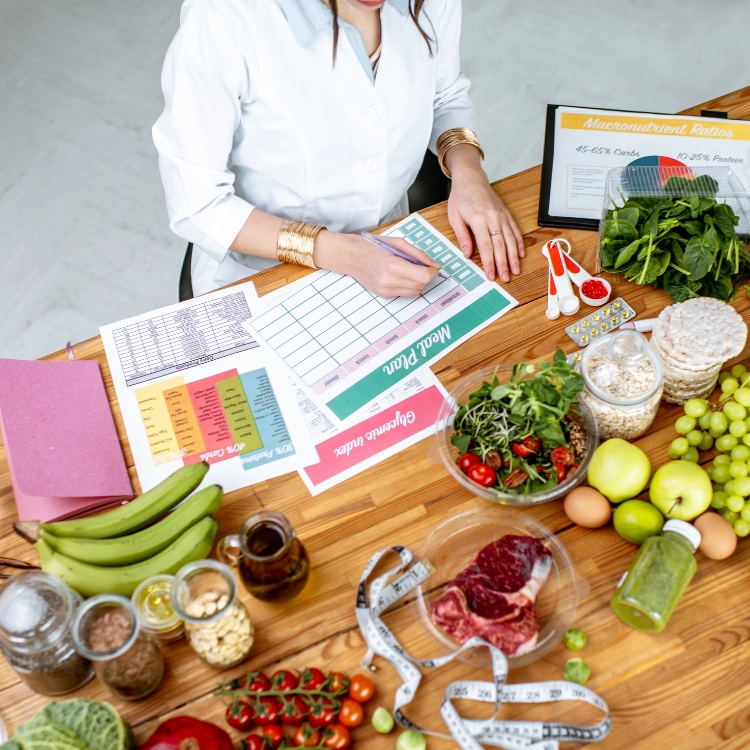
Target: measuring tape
{"x": 469, "y": 734}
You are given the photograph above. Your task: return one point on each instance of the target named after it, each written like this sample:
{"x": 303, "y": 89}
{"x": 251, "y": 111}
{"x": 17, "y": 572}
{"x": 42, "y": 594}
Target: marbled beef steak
{"x": 493, "y": 596}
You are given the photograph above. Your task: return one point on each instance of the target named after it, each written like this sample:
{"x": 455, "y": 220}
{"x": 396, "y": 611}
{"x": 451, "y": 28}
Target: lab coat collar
{"x": 309, "y": 17}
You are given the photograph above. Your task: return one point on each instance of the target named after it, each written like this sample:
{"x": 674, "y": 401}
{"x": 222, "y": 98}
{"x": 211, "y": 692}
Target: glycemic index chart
{"x": 328, "y": 329}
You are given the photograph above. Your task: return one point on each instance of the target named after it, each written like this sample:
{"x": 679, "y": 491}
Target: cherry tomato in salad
{"x": 361, "y": 688}
{"x": 267, "y": 711}
{"x": 274, "y": 733}
{"x": 306, "y": 736}
{"x": 284, "y": 680}
{"x": 254, "y": 742}
{"x": 338, "y": 737}
{"x": 339, "y": 682}
{"x": 526, "y": 447}
{"x": 241, "y": 717}
{"x": 560, "y": 469}
{"x": 312, "y": 678}
{"x": 563, "y": 455}
{"x": 322, "y": 712}
{"x": 468, "y": 460}
{"x": 481, "y": 474}
{"x": 351, "y": 713}
{"x": 294, "y": 711}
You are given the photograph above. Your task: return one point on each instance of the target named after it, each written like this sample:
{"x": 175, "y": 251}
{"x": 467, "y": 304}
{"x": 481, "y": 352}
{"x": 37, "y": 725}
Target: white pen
{"x": 394, "y": 251}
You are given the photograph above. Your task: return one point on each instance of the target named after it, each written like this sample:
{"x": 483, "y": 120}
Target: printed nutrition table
{"x": 169, "y": 343}
{"x": 333, "y": 325}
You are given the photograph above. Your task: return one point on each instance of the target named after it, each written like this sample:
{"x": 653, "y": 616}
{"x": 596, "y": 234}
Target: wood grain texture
{"x": 682, "y": 689}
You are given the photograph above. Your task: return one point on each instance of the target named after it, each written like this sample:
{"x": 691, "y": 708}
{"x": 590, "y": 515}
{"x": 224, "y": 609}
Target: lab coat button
{"x": 376, "y": 110}
{"x": 370, "y": 164}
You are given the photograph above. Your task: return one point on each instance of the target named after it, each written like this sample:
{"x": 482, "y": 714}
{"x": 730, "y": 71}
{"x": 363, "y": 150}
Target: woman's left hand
{"x": 475, "y": 209}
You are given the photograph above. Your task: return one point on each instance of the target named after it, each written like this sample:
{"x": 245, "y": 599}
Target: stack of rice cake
{"x": 694, "y": 339}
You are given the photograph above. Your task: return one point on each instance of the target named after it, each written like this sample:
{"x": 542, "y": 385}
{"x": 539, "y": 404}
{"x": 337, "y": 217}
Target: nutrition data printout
{"x": 590, "y": 142}
{"x": 193, "y": 385}
{"x": 403, "y": 416}
{"x": 349, "y": 347}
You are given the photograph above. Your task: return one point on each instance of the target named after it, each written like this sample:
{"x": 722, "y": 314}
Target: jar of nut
{"x": 217, "y": 626}
{"x": 623, "y": 379}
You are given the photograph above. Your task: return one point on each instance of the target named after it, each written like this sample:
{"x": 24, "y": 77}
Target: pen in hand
{"x": 380, "y": 243}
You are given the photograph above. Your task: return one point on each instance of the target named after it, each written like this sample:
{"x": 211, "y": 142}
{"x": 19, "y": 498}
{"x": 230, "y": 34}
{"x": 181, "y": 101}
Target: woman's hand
{"x": 475, "y": 209}
{"x": 376, "y": 269}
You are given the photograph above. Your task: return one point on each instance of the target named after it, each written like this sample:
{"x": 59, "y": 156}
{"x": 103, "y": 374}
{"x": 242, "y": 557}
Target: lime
{"x": 636, "y": 520}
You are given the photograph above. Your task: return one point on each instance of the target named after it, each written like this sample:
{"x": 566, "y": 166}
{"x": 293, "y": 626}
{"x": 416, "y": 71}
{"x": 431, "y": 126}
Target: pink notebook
{"x": 60, "y": 439}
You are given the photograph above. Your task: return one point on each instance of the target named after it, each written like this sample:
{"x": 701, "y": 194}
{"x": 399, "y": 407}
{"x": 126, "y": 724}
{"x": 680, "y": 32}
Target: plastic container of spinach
{"x": 681, "y": 229}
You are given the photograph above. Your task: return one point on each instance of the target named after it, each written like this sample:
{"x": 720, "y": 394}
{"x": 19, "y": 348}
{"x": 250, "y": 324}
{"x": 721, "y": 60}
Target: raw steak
{"x": 493, "y": 596}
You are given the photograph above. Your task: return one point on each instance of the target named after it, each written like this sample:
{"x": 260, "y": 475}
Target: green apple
{"x": 681, "y": 490}
{"x": 619, "y": 470}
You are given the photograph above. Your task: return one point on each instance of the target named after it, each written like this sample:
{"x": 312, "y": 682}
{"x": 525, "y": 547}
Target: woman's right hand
{"x": 376, "y": 269}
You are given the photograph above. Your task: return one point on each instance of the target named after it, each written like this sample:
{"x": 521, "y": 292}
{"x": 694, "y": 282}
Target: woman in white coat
{"x": 287, "y": 117}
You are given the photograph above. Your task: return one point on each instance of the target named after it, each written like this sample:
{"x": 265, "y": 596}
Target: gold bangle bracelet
{"x": 296, "y": 242}
{"x": 452, "y": 138}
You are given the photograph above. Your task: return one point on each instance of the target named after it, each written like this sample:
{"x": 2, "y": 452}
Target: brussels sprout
{"x": 382, "y": 720}
{"x": 576, "y": 670}
{"x": 411, "y": 739}
{"x": 574, "y": 639}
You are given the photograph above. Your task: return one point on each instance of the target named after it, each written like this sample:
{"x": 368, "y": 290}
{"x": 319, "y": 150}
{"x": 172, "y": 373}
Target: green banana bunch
{"x": 137, "y": 513}
{"x": 88, "y": 579}
{"x": 124, "y": 550}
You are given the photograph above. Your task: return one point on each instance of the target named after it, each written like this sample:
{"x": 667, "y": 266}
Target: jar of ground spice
{"x": 126, "y": 659}
{"x": 36, "y": 617}
{"x": 624, "y": 381}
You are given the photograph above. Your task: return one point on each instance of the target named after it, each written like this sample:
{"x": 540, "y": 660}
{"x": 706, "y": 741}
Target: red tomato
{"x": 241, "y": 717}
{"x": 563, "y": 455}
{"x": 306, "y": 736}
{"x": 526, "y": 447}
{"x": 274, "y": 733}
{"x": 267, "y": 711}
{"x": 483, "y": 475}
{"x": 362, "y": 687}
{"x": 468, "y": 460}
{"x": 254, "y": 742}
{"x": 312, "y": 678}
{"x": 561, "y": 469}
{"x": 284, "y": 680}
{"x": 339, "y": 682}
{"x": 351, "y": 713}
{"x": 338, "y": 737}
{"x": 322, "y": 712}
{"x": 294, "y": 711}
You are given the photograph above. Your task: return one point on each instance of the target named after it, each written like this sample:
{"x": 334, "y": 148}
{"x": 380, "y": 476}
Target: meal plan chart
{"x": 193, "y": 385}
{"x": 348, "y": 346}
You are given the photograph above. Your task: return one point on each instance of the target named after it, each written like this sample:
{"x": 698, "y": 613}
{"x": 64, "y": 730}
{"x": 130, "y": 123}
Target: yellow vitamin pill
{"x": 594, "y": 332}
{"x": 616, "y": 305}
{"x": 606, "y": 311}
{"x": 584, "y": 338}
{"x": 604, "y": 326}
{"x": 577, "y": 357}
{"x": 595, "y": 317}
{"x": 575, "y": 329}
{"x": 625, "y": 314}
{"x": 585, "y": 324}
{"x": 615, "y": 320}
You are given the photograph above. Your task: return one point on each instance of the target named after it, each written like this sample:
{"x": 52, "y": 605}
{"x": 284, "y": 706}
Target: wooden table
{"x": 684, "y": 688}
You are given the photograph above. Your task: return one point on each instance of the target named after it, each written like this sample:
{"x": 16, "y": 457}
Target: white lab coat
{"x": 256, "y": 114}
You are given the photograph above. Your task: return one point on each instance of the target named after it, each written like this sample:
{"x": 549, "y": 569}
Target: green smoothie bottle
{"x": 660, "y": 573}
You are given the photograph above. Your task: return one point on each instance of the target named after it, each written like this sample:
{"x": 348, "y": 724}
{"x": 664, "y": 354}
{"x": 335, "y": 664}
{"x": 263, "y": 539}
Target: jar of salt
{"x": 624, "y": 380}
{"x": 36, "y": 618}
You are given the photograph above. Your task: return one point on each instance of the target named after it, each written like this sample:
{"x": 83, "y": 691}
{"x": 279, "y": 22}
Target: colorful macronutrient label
{"x": 212, "y": 420}
{"x": 276, "y": 441}
{"x": 422, "y": 352}
{"x": 239, "y": 416}
{"x": 156, "y": 420}
{"x": 184, "y": 421}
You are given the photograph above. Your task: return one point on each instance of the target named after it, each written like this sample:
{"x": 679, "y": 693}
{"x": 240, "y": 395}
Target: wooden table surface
{"x": 685, "y": 688}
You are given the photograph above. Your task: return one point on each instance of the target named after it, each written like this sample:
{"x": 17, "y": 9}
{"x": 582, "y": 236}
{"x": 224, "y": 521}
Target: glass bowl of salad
{"x": 518, "y": 435}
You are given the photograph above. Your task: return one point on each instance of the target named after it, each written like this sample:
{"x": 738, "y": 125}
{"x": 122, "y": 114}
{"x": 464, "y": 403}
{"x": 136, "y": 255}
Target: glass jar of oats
{"x": 624, "y": 380}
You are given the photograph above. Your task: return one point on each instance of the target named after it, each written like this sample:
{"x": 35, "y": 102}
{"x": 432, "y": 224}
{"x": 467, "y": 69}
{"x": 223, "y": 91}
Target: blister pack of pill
{"x": 600, "y": 322}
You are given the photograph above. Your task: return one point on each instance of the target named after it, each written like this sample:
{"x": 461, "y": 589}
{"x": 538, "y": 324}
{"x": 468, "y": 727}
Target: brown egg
{"x": 718, "y": 540}
{"x": 587, "y": 507}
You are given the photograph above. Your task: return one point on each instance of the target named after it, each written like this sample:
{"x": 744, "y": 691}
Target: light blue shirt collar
{"x": 309, "y": 17}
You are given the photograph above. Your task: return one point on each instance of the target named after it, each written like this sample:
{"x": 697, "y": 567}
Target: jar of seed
{"x": 36, "y": 617}
{"x": 217, "y": 625}
{"x": 624, "y": 380}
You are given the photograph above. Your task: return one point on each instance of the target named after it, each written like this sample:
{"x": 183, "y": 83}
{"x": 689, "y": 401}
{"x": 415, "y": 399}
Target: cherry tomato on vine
{"x": 267, "y": 711}
{"x": 468, "y": 460}
{"x": 274, "y": 733}
{"x": 294, "y": 711}
{"x": 322, "y": 712}
{"x": 351, "y": 713}
{"x": 338, "y": 737}
{"x": 312, "y": 678}
{"x": 254, "y": 742}
{"x": 306, "y": 736}
{"x": 284, "y": 680}
{"x": 240, "y": 718}
{"x": 483, "y": 475}
{"x": 339, "y": 682}
{"x": 361, "y": 688}
{"x": 258, "y": 682}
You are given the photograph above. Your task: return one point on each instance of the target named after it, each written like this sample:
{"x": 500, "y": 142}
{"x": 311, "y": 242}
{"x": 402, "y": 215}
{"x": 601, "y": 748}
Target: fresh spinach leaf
{"x": 698, "y": 259}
